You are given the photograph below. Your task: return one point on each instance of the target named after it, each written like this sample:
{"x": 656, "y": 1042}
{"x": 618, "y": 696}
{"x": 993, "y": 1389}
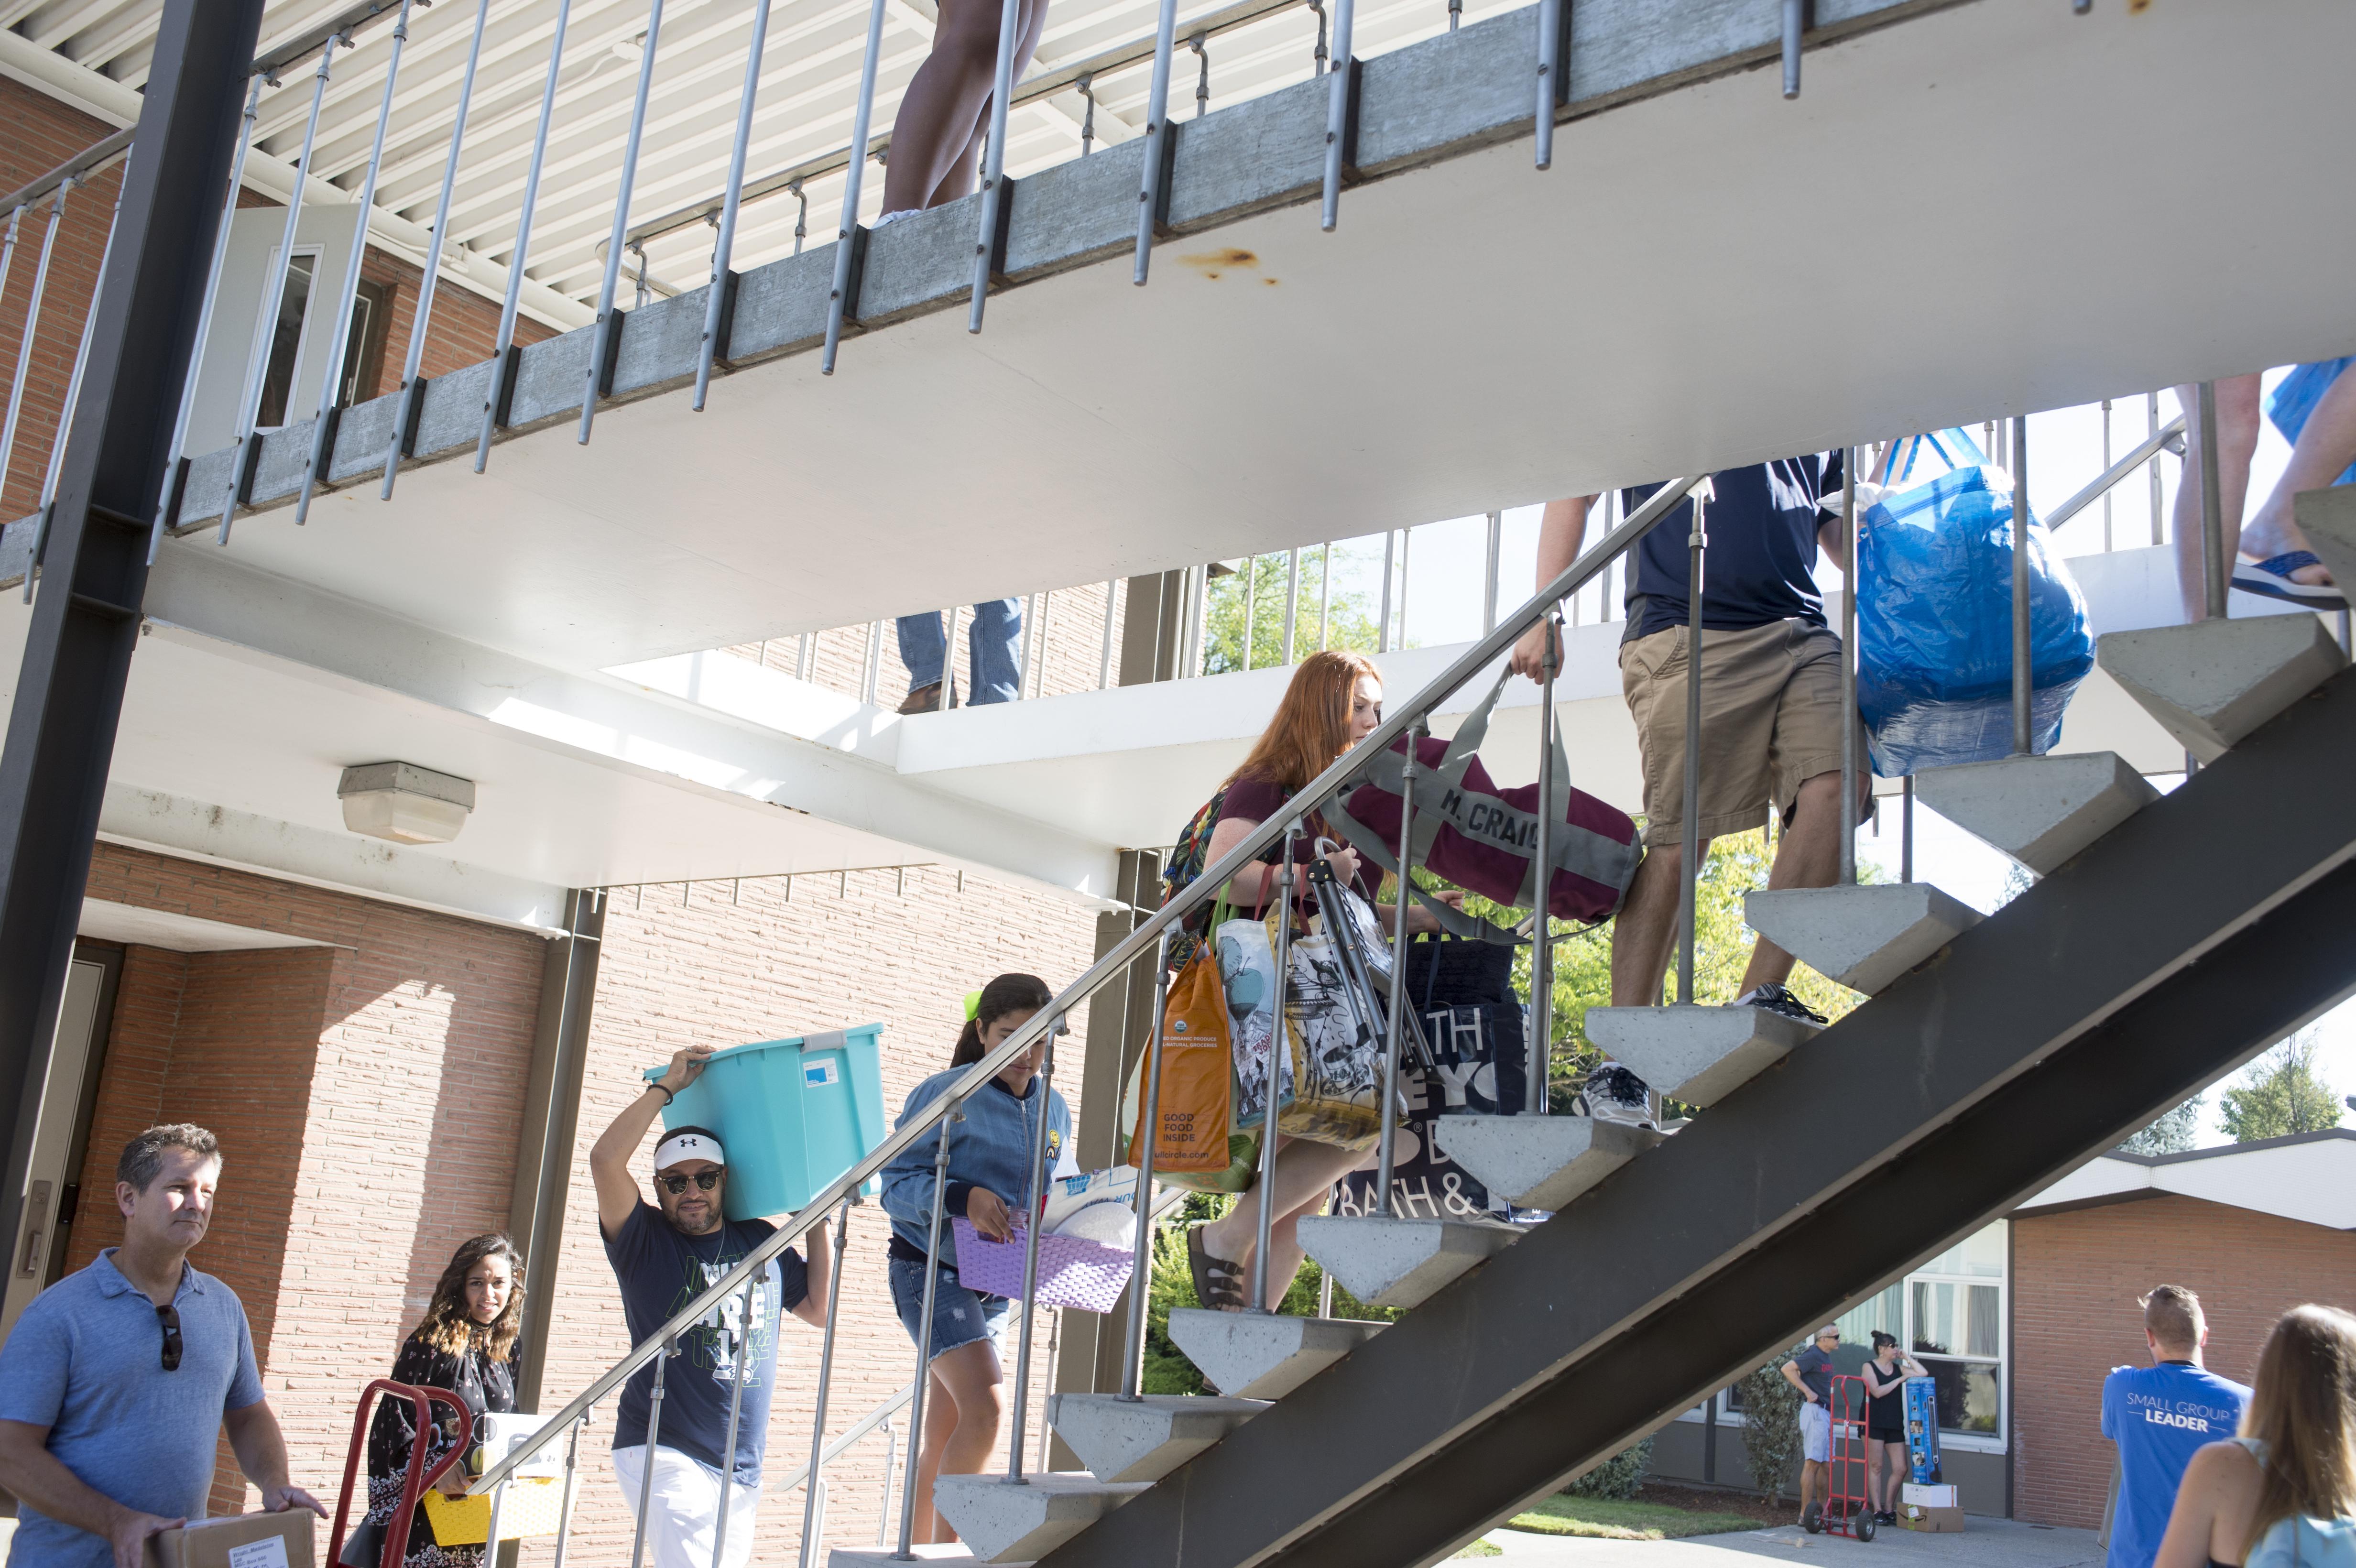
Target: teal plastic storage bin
{"x": 793, "y": 1115}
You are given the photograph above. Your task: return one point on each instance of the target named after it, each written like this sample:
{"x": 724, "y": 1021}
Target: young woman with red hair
{"x": 1334, "y": 702}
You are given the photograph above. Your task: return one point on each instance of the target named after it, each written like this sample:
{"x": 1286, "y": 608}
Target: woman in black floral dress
{"x": 466, "y": 1344}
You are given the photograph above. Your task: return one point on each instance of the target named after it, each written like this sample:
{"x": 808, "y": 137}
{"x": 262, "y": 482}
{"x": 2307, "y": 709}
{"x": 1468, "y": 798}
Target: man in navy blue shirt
{"x": 1771, "y": 717}
{"x": 663, "y": 1259}
{"x": 2160, "y": 1416}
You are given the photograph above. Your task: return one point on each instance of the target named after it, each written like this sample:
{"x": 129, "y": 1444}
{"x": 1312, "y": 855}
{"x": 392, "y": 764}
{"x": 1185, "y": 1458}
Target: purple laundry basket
{"x": 1072, "y": 1270}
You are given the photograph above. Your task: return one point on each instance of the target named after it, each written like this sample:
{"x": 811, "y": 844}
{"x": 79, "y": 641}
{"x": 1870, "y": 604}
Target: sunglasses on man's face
{"x": 705, "y": 1181}
{"x": 169, "y": 1317}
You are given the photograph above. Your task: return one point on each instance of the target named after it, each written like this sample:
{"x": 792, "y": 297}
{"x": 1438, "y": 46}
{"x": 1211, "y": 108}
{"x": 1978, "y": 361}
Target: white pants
{"x": 684, "y": 1508}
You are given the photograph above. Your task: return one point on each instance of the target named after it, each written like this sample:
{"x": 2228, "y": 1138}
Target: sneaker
{"x": 1615, "y": 1095}
{"x": 1885, "y": 1516}
{"x": 1777, "y": 999}
{"x": 923, "y": 700}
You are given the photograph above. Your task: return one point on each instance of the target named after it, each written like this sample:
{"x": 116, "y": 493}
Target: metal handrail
{"x": 842, "y": 1445}
{"x": 80, "y": 168}
{"x": 2152, "y": 447}
{"x": 1125, "y": 953}
{"x": 1062, "y": 78}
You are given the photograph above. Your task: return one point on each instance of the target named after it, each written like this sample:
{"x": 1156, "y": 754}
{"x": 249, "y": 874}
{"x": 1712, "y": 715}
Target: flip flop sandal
{"x": 2272, "y": 579}
{"x": 1219, "y": 1283}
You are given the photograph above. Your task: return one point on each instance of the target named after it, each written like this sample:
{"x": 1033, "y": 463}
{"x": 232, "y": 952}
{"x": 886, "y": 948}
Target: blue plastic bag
{"x": 1935, "y": 618}
{"x": 2293, "y": 401}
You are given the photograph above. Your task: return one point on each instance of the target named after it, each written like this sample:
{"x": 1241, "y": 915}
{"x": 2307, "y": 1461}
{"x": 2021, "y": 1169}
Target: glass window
{"x": 1955, "y": 1309}
{"x": 286, "y": 340}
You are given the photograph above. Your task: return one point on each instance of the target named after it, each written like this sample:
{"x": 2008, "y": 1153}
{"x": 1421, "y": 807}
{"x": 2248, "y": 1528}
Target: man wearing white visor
{"x": 664, "y": 1255}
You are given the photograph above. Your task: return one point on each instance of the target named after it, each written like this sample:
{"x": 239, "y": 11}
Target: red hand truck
{"x": 420, "y": 1477}
{"x": 1847, "y": 1509}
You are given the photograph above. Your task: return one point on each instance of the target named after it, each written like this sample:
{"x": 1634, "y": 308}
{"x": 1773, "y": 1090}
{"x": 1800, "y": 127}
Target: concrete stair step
{"x": 2210, "y": 683}
{"x": 2328, "y": 518}
{"x": 1540, "y": 1162}
{"x": 881, "y": 1556}
{"x": 1002, "y": 1523}
{"x": 1865, "y": 936}
{"x": 1255, "y": 1356}
{"x": 1399, "y": 1261}
{"x": 2038, "y": 810}
{"x": 1695, "y": 1054}
{"x": 1143, "y": 1439}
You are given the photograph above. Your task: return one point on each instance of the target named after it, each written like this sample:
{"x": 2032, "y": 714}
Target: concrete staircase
{"x": 2212, "y": 683}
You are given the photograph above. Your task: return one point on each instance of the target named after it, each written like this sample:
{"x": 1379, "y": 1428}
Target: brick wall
{"x": 366, "y": 1094}
{"x": 464, "y": 325}
{"x": 1074, "y": 661}
{"x": 43, "y": 134}
{"x": 723, "y": 964}
{"x": 2075, "y": 1279}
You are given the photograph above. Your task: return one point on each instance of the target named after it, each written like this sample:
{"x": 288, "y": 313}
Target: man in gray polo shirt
{"x": 116, "y": 1380}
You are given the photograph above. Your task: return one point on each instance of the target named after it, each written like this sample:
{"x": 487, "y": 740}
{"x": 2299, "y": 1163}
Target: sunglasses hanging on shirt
{"x": 169, "y": 1317}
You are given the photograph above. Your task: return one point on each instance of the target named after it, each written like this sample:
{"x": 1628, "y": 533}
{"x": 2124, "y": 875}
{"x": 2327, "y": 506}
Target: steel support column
{"x": 2089, "y": 1005}
{"x": 551, "y": 1122}
{"x": 85, "y": 622}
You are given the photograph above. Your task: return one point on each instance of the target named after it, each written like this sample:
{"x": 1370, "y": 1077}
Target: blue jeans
{"x": 993, "y": 643}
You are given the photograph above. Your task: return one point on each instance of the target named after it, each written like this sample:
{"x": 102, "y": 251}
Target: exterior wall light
{"x": 405, "y": 802}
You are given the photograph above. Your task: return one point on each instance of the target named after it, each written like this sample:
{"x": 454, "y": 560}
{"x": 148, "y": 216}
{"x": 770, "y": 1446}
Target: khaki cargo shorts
{"x": 1771, "y": 716}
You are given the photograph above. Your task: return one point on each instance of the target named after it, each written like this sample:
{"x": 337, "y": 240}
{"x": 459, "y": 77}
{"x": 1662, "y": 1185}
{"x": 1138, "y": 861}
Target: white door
{"x": 53, "y": 1138}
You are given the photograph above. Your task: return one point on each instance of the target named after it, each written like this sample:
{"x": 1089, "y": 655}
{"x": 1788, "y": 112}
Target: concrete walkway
{"x": 1983, "y": 1543}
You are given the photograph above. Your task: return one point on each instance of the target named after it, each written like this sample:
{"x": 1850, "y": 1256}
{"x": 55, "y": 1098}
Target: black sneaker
{"x": 1778, "y": 999}
{"x": 1885, "y": 1516}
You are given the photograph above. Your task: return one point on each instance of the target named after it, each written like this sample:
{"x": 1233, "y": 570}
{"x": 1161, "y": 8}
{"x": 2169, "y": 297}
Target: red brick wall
{"x": 723, "y": 965}
{"x": 464, "y": 325}
{"x": 43, "y": 134}
{"x": 2076, "y": 1280}
{"x": 367, "y": 1097}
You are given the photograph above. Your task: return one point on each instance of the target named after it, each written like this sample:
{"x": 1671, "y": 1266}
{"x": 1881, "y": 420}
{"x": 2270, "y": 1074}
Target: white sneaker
{"x": 1615, "y": 1095}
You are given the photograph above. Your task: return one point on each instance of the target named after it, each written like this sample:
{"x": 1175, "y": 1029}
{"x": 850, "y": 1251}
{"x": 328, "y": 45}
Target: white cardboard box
{"x": 1928, "y": 1497}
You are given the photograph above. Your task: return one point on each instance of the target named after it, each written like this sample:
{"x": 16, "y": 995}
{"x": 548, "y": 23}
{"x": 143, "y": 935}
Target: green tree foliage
{"x": 2171, "y": 1134}
{"x": 1770, "y": 1427}
{"x": 1350, "y": 623}
{"x": 1620, "y": 1477}
{"x": 2281, "y": 1095}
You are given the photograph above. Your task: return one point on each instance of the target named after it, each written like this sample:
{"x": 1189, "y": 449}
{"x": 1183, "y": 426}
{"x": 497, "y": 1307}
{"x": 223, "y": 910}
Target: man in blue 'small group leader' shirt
{"x": 117, "y": 1382}
{"x": 2158, "y": 1415}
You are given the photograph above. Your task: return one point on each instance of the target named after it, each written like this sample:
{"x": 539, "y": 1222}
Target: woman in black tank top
{"x": 1885, "y": 1424}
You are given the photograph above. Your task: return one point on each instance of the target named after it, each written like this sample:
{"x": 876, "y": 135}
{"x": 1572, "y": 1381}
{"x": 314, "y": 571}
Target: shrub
{"x": 1618, "y": 1477}
{"x": 1770, "y": 1427}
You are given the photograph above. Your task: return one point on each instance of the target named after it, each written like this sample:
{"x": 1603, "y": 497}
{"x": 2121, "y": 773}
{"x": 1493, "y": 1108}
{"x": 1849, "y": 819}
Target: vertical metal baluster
{"x": 566, "y": 1500}
{"x": 273, "y": 294}
{"x": 1395, "y": 1016}
{"x": 1156, "y": 138}
{"x": 924, "y": 1339}
{"x": 1044, "y": 1082}
{"x": 723, "y": 250}
{"x": 2022, "y": 653}
{"x": 1455, "y": 14}
{"x": 2215, "y": 569}
{"x": 1087, "y": 86}
{"x": 2151, "y": 428}
{"x": 1337, "y": 113}
{"x": 204, "y": 317}
{"x": 735, "y": 1407}
{"x": 1549, "y": 74}
{"x": 1538, "y": 1051}
{"x": 948, "y": 665}
{"x": 1202, "y": 73}
{"x": 1689, "y": 842}
{"x": 49, "y": 510}
{"x": 2107, "y": 468}
{"x": 1251, "y": 604}
{"x": 872, "y": 664}
{"x": 1291, "y": 600}
{"x": 1383, "y": 629}
{"x": 1848, "y": 670}
{"x": 846, "y": 231}
{"x": 503, "y": 349}
{"x": 993, "y": 160}
{"x": 1496, "y": 545}
{"x": 26, "y": 343}
{"x": 825, "y": 1381}
{"x": 1406, "y": 579}
{"x": 499, "y": 1514}
{"x": 16, "y": 221}
{"x": 1324, "y": 596}
{"x": 1140, "y": 1275}
{"x": 1906, "y": 832}
{"x": 1112, "y": 604}
{"x": 883, "y": 1499}
{"x": 804, "y": 651}
{"x": 1796, "y": 16}
{"x": 412, "y": 381}
{"x": 331, "y": 380}
{"x": 801, "y": 214}
{"x": 1276, "y": 1055}
{"x": 601, "y": 345}
{"x": 1324, "y": 1294}
{"x": 646, "y": 1476}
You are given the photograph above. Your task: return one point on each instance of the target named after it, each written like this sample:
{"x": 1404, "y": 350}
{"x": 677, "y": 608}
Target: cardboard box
{"x": 237, "y": 1541}
{"x": 1934, "y": 1521}
{"x": 1929, "y": 1497}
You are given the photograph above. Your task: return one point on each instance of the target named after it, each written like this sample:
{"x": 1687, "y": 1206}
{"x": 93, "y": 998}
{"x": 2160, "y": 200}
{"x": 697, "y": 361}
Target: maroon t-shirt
{"x": 1256, "y": 800}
